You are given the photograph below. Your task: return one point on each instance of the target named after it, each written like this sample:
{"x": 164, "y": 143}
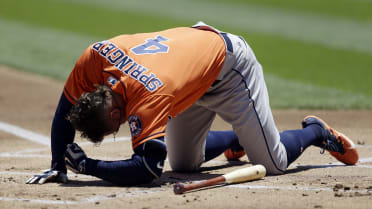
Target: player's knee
{"x": 274, "y": 171}
{"x": 184, "y": 166}
{"x": 274, "y": 167}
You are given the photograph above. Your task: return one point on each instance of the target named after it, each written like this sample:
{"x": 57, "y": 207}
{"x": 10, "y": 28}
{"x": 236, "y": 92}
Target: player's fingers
{"x": 48, "y": 177}
{"x": 29, "y": 180}
{"x": 44, "y": 179}
{"x": 32, "y": 179}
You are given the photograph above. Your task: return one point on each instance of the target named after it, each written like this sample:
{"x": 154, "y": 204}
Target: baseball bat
{"x": 236, "y": 176}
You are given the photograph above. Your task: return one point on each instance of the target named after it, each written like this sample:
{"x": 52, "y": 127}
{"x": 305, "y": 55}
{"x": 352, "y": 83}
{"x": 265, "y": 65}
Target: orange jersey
{"x": 159, "y": 74}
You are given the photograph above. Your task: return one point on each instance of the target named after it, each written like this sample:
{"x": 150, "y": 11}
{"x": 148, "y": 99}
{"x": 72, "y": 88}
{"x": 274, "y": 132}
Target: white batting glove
{"x": 48, "y": 176}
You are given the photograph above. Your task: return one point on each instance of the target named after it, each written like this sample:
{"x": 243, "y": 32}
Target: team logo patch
{"x": 111, "y": 80}
{"x": 135, "y": 125}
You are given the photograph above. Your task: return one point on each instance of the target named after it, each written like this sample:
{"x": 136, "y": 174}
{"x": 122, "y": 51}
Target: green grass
{"x": 300, "y": 73}
{"x": 82, "y": 18}
{"x": 353, "y": 9}
{"x": 310, "y": 63}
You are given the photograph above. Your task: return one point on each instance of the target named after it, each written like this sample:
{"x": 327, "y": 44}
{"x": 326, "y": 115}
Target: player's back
{"x": 159, "y": 74}
{"x": 186, "y": 61}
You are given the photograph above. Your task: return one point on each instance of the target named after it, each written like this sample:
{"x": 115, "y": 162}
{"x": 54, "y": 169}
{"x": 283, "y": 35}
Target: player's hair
{"x": 87, "y": 116}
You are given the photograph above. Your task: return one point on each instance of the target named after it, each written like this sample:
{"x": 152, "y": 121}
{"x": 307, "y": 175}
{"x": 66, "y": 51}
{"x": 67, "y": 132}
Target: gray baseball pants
{"x": 239, "y": 96}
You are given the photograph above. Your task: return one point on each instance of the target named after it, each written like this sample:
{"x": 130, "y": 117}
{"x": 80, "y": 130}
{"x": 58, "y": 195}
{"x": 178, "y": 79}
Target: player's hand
{"x": 75, "y": 158}
{"x": 48, "y": 176}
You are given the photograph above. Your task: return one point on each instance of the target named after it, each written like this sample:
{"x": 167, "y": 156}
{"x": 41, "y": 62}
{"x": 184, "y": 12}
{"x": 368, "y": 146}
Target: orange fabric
{"x": 159, "y": 74}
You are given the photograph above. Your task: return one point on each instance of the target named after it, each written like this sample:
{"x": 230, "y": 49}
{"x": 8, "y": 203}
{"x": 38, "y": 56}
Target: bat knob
{"x": 178, "y": 188}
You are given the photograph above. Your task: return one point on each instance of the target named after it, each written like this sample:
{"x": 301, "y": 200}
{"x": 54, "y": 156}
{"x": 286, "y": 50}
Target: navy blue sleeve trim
{"x": 229, "y": 45}
{"x": 62, "y": 133}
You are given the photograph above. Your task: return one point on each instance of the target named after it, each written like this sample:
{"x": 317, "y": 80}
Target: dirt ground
{"x": 27, "y": 105}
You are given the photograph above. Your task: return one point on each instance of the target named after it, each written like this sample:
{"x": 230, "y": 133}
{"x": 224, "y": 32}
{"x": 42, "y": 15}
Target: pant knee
{"x": 274, "y": 171}
{"x": 184, "y": 167}
{"x": 273, "y": 167}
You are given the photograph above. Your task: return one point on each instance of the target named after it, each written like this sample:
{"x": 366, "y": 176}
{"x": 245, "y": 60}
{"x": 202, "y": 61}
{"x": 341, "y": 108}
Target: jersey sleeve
{"x": 85, "y": 75}
{"x": 148, "y": 118}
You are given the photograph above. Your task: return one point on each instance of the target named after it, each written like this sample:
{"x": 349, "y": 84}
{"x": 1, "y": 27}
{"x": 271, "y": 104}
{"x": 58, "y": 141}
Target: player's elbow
{"x": 154, "y": 167}
{"x": 152, "y": 154}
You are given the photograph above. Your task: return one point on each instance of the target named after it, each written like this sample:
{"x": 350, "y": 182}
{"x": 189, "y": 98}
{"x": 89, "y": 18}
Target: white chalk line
{"x": 106, "y": 141}
{"x": 91, "y": 199}
{"x": 20, "y": 173}
{"x": 294, "y": 188}
{"x": 24, "y": 134}
{"x": 15, "y": 155}
{"x": 365, "y": 160}
{"x": 40, "y": 139}
{"x": 31, "y": 136}
{"x": 69, "y": 173}
{"x": 27, "y": 151}
{"x": 39, "y": 201}
{"x": 44, "y": 156}
{"x": 365, "y": 166}
{"x": 287, "y": 188}
{"x": 363, "y": 146}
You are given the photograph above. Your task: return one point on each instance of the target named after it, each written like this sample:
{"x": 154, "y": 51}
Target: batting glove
{"x": 75, "y": 158}
{"x": 48, "y": 176}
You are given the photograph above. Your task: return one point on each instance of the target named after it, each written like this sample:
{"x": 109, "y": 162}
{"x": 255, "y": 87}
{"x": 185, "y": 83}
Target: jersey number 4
{"x": 152, "y": 46}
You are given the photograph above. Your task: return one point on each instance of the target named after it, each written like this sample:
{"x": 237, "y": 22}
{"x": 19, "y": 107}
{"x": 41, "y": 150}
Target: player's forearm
{"x": 62, "y": 133}
{"x": 144, "y": 166}
{"x": 125, "y": 172}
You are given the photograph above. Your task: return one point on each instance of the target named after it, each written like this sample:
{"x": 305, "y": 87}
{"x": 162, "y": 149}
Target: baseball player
{"x": 169, "y": 86}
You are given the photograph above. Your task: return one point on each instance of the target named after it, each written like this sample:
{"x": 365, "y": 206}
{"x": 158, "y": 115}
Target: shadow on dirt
{"x": 168, "y": 177}
{"x": 201, "y": 174}
{"x": 88, "y": 183}
{"x": 300, "y": 168}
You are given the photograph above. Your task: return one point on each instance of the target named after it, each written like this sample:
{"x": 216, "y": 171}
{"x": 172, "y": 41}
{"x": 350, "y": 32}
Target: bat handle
{"x": 179, "y": 188}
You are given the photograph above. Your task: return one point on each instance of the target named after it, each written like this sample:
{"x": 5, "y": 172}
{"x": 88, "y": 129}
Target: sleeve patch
{"x": 135, "y": 125}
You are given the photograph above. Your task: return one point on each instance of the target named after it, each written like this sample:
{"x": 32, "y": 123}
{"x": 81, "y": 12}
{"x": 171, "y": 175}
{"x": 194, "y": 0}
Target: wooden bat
{"x": 237, "y": 176}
